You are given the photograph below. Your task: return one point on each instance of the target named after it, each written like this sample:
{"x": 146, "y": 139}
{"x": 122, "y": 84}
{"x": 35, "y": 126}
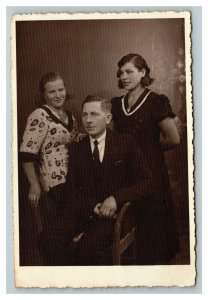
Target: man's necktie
{"x": 96, "y": 153}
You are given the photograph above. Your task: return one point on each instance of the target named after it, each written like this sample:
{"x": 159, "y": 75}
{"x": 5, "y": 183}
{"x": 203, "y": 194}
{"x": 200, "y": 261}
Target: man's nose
{"x": 88, "y": 119}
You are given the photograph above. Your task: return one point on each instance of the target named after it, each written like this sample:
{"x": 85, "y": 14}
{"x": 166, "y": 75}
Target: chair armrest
{"x": 119, "y": 220}
{"x": 122, "y": 212}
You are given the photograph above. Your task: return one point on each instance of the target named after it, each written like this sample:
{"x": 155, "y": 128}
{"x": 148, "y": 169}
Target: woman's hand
{"x": 179, "y": 126}
{"x": 34, "y": 194}
{"x": 35, "y": 189}
{"x": 80, "y": 136}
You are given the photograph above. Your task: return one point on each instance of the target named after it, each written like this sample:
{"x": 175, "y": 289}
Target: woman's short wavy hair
{"x": 140, "y": 63}
{"x": 48, "y": 77}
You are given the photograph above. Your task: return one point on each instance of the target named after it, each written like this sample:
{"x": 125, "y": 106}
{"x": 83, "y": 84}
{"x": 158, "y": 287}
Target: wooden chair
{"x": 124, "y": 236}
{"x": 122, "y": 242}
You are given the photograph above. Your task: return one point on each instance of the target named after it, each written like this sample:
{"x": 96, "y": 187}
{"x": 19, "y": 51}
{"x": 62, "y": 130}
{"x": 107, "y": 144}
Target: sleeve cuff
{"x": 28, "y": 157}
{"x": 169, "y": 114}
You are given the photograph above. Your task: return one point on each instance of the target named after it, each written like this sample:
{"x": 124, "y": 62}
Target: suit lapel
{"x": 108, "y": 148}
{"x": 108, "y": 153}
{"x": 86, "y": 151}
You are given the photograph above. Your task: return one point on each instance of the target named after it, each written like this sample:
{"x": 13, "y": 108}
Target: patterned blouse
{"x": 45, "y": 140}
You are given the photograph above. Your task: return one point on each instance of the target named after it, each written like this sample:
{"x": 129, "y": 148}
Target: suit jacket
{"x": 122, "y": 174}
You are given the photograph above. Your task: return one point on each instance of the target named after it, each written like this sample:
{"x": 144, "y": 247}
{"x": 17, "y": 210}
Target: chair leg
{"x": 134, "y": 250}
{"x": 116, "y": 255}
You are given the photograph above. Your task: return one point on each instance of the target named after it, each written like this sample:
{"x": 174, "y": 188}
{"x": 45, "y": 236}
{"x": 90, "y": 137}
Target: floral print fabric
{"x": 45, "y": 139}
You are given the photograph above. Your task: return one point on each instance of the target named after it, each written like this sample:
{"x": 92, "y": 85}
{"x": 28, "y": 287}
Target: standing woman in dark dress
{"x": 149, "y": 118}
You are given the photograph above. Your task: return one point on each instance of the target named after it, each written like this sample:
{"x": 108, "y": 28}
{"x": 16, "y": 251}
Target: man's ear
{"x": 108, "y": 118}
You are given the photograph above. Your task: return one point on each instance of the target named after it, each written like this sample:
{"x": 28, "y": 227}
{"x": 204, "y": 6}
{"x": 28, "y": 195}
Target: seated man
{"x": 106, "y": 170}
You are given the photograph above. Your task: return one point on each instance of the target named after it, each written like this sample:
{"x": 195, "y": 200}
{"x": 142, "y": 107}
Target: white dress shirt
{"x": 101, "y": 145}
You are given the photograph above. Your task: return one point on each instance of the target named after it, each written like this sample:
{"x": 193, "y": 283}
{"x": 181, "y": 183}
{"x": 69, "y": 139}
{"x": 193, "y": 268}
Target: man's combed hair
{"x": 105, "y": 103}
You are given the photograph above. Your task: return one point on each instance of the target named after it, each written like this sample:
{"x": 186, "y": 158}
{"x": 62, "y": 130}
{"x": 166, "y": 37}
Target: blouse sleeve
{"x": 34, "y": 135}
{"x": 162, "y": 108}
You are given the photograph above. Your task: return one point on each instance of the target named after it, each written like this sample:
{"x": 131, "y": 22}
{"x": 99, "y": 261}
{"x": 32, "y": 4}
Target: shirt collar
{"x": 100, "y": 139}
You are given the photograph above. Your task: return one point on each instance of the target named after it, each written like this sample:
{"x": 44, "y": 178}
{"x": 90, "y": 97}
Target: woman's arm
{"x": 34, "y": 135}
{"x": 35, "y": 189}
{"x": 169, "y": 137}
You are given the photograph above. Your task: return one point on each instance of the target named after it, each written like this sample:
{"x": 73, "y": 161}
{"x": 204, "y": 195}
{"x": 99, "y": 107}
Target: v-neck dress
{"x": 142, "y": 122}
{"x": 45, "y": 140}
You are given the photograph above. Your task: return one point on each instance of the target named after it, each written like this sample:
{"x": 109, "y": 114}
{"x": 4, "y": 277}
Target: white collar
{"x": 100, "y": 139}
{"x": 132, "y": 112}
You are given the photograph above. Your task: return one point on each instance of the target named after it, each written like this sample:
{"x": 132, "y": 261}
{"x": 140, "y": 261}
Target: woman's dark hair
{"x": 48, "y": 77}
{"x": 139, "y": 63}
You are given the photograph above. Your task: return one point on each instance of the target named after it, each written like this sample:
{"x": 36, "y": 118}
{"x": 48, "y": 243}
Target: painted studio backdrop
{"x": 86, "y": 53}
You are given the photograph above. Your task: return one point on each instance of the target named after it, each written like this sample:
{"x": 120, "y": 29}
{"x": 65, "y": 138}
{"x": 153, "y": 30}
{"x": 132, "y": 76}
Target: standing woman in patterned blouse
{"x": 49, "y": 131}
{"x": 148, "y": 117}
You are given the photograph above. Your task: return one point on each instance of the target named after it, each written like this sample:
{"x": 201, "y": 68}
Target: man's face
{"x": 95, "y": 119}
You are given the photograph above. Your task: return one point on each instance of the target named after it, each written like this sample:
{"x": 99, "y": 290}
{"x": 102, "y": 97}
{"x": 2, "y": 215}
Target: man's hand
{"x": 97, "y": 209}
{"x": 108, "y": 207}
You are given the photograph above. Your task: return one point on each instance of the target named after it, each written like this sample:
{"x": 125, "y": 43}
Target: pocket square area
{"x": 118, "y": 162}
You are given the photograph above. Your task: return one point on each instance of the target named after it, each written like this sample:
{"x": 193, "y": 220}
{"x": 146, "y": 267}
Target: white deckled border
{"x": 168, "y": 275}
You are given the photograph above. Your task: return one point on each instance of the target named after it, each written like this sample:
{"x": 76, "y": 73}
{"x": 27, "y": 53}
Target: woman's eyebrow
{"x": 124, "y": 70}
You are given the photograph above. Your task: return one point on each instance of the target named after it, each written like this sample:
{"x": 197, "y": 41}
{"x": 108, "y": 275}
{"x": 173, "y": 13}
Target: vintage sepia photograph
{"x": 103, "y": 169}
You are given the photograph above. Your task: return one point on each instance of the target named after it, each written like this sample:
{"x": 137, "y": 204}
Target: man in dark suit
{"x": 106, "y": 170}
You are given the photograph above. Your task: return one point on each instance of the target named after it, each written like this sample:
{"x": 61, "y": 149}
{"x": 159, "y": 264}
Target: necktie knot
{"x": 96, "y": 143}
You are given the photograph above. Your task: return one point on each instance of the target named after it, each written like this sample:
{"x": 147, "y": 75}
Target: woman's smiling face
{"x": 55, "y": 93}
{"x": 131, "y": 76}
